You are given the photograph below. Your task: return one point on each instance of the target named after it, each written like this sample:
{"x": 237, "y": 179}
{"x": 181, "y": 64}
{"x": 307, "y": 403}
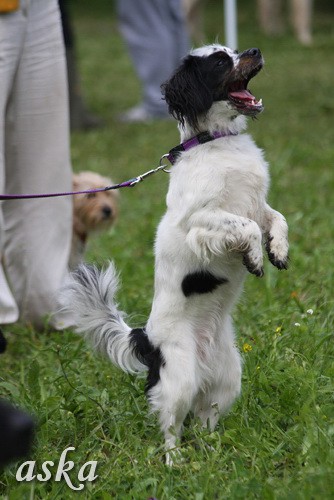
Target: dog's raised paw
{"x": 277, "y": 253}
{"x": 280, "y": 264}
{"x": 251, "y": 266}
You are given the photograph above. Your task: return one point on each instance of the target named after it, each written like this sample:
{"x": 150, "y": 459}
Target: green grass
{"x": 277, "y": 442}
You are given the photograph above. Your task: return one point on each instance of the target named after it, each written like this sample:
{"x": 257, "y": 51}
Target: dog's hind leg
{"x": 217, "y": 399}
{"x": 172, "y": 397}
{"x": 218, "y": 396}
{"x": 171, "y": 424}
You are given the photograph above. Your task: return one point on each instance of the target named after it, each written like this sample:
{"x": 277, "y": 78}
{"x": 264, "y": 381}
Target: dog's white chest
{"x": 230, "y": 174}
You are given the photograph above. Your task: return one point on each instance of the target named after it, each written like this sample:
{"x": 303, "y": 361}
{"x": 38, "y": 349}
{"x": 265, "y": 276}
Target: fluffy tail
{"x": 88, "y": 298}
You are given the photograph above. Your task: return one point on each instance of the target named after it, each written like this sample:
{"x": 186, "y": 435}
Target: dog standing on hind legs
{"x": 212, "y": 233}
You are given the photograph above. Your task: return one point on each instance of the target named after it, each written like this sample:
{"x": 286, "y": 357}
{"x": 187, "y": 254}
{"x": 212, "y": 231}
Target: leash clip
{"x": 164, "y": 167}
{"x": 143, "y": 176}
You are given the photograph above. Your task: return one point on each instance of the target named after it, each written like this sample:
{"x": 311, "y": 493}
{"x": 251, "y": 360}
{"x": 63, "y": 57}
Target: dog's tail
{"x": 88, "y": 298}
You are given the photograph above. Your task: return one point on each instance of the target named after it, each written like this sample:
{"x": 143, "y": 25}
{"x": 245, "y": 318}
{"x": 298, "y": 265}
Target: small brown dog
{"x": 91, "y": 212}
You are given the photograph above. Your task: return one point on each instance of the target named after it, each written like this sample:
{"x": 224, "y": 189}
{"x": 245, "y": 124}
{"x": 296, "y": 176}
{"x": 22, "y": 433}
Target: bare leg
{"x": 301, "y": 17}
{"x": 270, "y": 16}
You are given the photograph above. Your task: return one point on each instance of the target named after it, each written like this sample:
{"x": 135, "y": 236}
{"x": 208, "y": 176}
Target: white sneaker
{"x": 138, "y": 114}
{"x": 9, "y": 312}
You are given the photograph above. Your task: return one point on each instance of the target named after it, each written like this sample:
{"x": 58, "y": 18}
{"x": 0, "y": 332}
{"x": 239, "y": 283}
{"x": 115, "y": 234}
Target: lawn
{"x": 277, "y": 442}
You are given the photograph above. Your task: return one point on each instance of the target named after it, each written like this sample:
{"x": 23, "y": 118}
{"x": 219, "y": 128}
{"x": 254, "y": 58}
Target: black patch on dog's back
{"x": 200, "y": 282}
{"x": 148, "y": 355}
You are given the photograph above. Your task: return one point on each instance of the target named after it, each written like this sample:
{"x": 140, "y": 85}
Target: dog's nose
{"x": 106, "y": 211}
{"x": 253, "y": 52}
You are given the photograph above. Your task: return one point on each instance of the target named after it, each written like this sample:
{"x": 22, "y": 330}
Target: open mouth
{"x": 242, "y": 99}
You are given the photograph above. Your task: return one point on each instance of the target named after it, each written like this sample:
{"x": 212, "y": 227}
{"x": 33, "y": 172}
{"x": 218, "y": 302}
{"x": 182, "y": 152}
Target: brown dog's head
{"x": 93, "y": 211}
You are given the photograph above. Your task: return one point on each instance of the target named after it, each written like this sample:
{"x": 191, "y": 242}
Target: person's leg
{"x": 12, "y": 31}
{"x": 38, "y": 232}
{"x": 270, "y": 16}
{"x": 301, "y": 17}
{"x": 80, "y": 117}
{"x": 156, "y": 35}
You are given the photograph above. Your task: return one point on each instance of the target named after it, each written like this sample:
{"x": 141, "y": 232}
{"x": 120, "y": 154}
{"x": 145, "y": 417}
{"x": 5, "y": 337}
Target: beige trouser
{"x": 35, "y": 235}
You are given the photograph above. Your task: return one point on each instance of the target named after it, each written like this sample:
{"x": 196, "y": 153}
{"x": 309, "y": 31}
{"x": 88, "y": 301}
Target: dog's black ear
{"x": 186, "y": 93}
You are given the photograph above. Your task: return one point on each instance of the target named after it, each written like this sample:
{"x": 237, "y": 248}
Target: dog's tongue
{"x": 243, "y": 95}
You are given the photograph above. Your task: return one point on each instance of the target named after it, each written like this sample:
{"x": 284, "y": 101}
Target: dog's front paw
{"x": 252, "y": 251}
{"x": 254, "y": 266}
{"x": 277, "y": 250}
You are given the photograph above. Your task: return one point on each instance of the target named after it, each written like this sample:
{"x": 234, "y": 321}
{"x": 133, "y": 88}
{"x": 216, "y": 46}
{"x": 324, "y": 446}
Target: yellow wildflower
{"x": 246, "y": 347}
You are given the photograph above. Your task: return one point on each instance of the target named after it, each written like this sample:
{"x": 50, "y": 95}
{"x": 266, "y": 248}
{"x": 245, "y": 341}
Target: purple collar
{"x": 201, "y": 138}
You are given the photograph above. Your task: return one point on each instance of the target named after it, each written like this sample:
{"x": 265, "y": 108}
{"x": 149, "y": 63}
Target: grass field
{"x": 277, "y": 442}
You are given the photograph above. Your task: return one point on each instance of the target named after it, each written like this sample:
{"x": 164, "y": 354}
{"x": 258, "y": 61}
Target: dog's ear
{"x": 186, "y": 93}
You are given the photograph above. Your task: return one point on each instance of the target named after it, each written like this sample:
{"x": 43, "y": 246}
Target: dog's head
{"x": 210, "y": 74}
{"x": 93, "y": 211}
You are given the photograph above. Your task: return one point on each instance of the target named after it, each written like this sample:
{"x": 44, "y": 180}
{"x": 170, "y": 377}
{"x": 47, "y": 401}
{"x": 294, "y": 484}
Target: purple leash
{"x": 128, "y": 183}
{"x": 172, "y": 157}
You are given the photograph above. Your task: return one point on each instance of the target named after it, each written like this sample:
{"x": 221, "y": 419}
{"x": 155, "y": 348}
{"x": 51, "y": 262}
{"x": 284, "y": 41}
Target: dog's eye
{"x": 91, "y": 195}
{"x": 222, "y": 59}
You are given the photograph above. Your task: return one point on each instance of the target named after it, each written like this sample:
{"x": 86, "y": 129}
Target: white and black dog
{"x": 213, "y": 231}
